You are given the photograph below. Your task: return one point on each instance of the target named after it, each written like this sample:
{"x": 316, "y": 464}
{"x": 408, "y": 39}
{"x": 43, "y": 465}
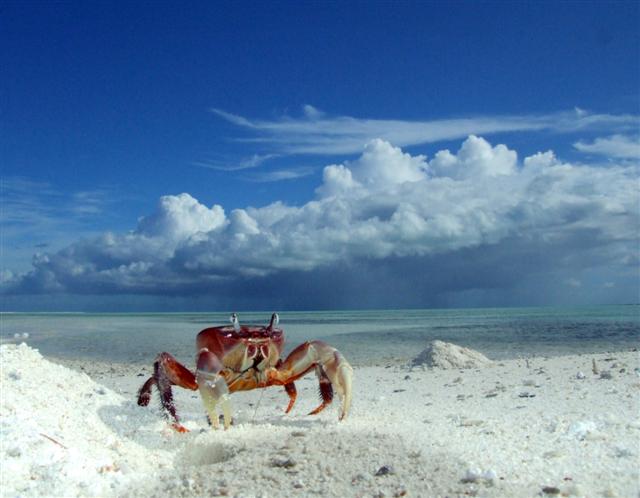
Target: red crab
{"x": 239, "y": 358}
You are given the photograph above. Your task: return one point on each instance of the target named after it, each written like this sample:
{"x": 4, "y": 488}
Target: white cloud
{"x": 249, "y": 163}
{"x": 278, "y": 175}
{"x": 317, "y": 133}
{"x": 382, "y": 165}
{"x": 476, "y": 157}
{"x": 312, "y": 112}
{"x": 617, "y": 146}
{"x": 387, "y": 208}
{"x": 181, "y": 216}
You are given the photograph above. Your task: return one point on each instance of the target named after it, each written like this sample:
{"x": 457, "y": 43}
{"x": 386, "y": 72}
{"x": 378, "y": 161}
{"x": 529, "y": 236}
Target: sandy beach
{"x": 562, "y": 426}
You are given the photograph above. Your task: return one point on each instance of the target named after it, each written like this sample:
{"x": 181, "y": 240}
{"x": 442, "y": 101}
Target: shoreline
{"x": 514, "y": 428}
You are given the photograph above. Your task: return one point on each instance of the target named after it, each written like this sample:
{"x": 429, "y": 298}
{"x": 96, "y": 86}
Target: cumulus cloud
{"x": 388, "y": 222}
{"x": 617, "y": 146}
{"x": 180, "y": 216}
{"x": 317, "y": 133}
{"x": 475, "y": 158}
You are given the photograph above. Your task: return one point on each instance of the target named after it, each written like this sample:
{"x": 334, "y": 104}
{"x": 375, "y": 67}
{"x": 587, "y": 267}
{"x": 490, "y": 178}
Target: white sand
{"x": 509, "y": 429}
{"x": 440, "y": 354}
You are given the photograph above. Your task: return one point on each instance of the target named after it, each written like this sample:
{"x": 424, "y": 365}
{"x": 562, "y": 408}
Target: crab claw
{"x": 213, "y": 388}
{"x": 333, "y": 371}
{"x": 340, "y": 374}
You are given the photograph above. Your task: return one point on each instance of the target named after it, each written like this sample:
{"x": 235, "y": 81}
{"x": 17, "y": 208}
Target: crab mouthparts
{"x": 257, "y": 351}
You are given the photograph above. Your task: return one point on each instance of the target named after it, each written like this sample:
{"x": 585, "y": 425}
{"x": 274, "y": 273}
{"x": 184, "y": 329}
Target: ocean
{"x": 373, "y": 337}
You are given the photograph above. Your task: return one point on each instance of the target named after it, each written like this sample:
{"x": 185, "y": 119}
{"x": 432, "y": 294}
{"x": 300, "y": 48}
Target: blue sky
{"x": 318, "y": 129}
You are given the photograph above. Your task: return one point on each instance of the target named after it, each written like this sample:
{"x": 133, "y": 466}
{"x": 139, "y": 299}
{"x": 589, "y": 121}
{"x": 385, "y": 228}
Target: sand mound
{"x": 445, "y": 355}
{"x": 56, "y": 436}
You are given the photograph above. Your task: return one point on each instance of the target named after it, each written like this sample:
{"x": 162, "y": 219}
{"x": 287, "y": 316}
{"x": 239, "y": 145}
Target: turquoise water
{"x": 365, "y": 337}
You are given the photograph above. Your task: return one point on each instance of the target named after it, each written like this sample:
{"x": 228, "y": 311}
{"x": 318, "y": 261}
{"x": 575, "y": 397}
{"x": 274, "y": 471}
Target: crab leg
{"x": 333, "y": 371}
{"x": 167, "y": 372}
{"x": 290, "y": 388}
{"x": 213, "y": 388}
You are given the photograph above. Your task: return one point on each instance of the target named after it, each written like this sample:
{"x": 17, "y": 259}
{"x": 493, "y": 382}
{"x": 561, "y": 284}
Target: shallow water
{"x": 365, "y": 337}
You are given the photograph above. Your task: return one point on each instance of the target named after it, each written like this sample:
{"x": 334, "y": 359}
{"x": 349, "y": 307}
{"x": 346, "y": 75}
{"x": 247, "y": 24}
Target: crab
{"x": 240, "y": 358}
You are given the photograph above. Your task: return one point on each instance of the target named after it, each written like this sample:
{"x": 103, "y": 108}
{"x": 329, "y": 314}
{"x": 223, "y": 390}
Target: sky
{"x": 318, "y": 155}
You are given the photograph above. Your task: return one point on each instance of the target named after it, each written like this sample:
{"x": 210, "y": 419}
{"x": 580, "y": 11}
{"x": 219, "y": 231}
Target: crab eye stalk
{"x": 234, "y": 320}
{"x": 275, "y": 319}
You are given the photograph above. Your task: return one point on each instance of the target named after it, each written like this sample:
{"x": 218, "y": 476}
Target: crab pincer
{"x": 213, "y": 388}
{"x": 332, "y": 370}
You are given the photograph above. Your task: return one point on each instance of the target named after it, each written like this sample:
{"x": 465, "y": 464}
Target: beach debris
{"x": 553, "y": 454}
{"x": 580, "y": 376}
{"x": 526, "y": 395}
{"x": 54, "y": 441}
{"x": 550, "y": 490}
{"x": 385, "y": 470}
{"x": 14, "y": 451}
{"x": 606, "y": 375}
{"x": 489, "y": 475}
{"x": 471, "y": 422}
{"x": 285, "y": 463}
{"x": 530, "y": 383}
{"x": 444, "y": 355}
{"x": 108, "y": 468}
{"x": 474, "y": 475}
{"x": 621, "y": 452}
{"x": 594, "y": 367}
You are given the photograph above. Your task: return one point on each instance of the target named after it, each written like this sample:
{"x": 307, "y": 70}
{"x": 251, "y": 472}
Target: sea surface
{"x": 372, "y": 337}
